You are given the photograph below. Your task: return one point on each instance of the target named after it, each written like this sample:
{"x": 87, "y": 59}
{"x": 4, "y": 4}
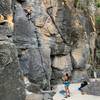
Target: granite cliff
{"x": 42, "y": 39}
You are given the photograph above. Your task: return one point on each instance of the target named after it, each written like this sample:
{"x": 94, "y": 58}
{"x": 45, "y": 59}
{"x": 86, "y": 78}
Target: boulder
{"x": 11, "y": 84}
{"x": 61, "y": 62}
{"x": 92, "y": 89}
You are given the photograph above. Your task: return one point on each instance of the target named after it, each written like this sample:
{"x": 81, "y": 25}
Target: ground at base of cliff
{"x": 75, "y": 94}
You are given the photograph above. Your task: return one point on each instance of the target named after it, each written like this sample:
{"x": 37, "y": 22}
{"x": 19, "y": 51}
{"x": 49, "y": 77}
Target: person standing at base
{"x": 66, "y": 82}
{"x": 83, "y": 84}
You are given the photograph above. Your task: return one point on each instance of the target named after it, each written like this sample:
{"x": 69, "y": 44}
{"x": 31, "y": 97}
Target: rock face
{"x": 7, "y": 5}
{"x": 51, "y": 37}
{"x": 11, "y": 87}
{"x": 74, "y": 29}
{"x": 33, "y": 55}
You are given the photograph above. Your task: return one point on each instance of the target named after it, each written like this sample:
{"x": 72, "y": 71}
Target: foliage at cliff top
{"x": 98, "y": 3}
{"x": 97, "y": 19}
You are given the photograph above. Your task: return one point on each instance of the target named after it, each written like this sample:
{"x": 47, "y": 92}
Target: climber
{"x": 28, "y": 13}
{"x": 66, "y": 79}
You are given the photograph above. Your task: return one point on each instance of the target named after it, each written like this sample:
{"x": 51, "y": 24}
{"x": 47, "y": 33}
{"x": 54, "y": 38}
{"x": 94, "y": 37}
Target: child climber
{"x": 66, "y": 81}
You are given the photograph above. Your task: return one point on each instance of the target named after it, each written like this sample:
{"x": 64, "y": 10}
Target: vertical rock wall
{"x": 32, "y": 44}
{"x": 11, "y": 84}
{"x": 51, "y": 37}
